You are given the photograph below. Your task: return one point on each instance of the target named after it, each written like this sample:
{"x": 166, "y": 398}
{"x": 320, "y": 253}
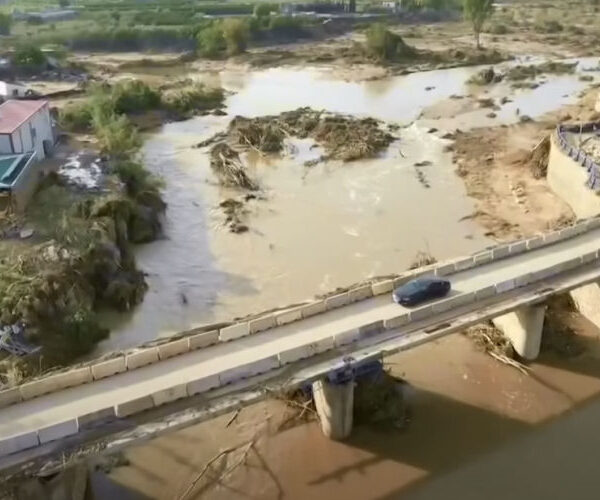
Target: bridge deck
{"x": 69, "y": 403}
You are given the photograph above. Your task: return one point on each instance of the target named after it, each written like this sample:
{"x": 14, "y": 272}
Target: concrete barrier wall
{"x": 569, "y": 180}
{"x": 192, "y": 341}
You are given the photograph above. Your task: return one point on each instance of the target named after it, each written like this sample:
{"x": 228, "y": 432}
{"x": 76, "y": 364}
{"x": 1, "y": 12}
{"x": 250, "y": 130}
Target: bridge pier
{"x": 335, "y": 406}
{"x": 587, "y": 302}
{"x": 523, "y": 328}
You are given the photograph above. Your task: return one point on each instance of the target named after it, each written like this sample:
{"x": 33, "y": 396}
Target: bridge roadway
{"x": 43, "y": 411}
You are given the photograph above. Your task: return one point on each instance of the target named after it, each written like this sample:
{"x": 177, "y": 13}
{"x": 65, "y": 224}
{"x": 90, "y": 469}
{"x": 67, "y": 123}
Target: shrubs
{"x": 76, "y": 118}
{"x": 498, "y": 29}
{"x": 117, "y": 137}
{"x": 5, "y": 23}
{"x": 121, "y": 39}
{"x": 103, "y": 102}
{"x": 29, "y": 56}
{"x": 235, "y": 33}
{"x": 133, "y": 96}
{"x": 548, "y": 26}
{"x": 101, "y": 111}
{"x": 385, "y": 45}
{"x": 211, "y": 41}
{"x": 286, "y": 25}
{"x": 229, "y": 34}
{"x": 262, "y": 10}
{"x": 136, "y": 178}
{"x": 196, "y": 97}
{"x": 430, "y": 4}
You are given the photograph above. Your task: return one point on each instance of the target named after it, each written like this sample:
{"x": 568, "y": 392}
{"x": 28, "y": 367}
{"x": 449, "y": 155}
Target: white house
{"x": 8, "y": 90}
{"x": 26, "y": 126}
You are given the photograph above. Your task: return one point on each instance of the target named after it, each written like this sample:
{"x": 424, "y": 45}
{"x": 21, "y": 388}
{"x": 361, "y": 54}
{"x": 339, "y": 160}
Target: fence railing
{"x": 578, "y": 155}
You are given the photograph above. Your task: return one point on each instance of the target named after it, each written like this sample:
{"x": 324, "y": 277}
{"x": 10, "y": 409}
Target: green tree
{"x": 5, "y": 23}
{"x": 211, "y": 40}
{"x": 478, "y": 12}
{"x": 116, "y": 16}
{"x": 235, "y": 32}
{"x": 64, "y": 3}
{"x": 262, "y": 10}
{"x": 29, "y": 55}
{"x": 385, "y": 45}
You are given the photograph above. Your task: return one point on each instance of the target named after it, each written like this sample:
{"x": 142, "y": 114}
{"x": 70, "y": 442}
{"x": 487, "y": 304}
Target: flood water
{"x": 318, "y": 227}
{"x": 478, "y": 428}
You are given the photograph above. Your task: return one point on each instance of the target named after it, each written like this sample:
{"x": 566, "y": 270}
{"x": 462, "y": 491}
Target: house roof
{"x": 14, "y": 113}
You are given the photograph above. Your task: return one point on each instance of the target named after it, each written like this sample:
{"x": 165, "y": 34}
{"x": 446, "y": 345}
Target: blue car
{"x": 419, "y": 290}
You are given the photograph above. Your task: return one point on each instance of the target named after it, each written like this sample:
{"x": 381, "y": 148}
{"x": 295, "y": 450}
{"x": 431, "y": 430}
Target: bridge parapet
{"x": 206, "y": 336}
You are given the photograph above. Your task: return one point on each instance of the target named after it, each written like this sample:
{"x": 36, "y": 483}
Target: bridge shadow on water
{"x": 103, "y": 487}
{"x": 464, "y": 451}
{"x": 442, "y": 434}
{"x": 553, "y": 460}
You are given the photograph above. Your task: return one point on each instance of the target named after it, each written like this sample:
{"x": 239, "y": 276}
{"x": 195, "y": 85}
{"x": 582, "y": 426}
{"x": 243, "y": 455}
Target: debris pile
{"x": 519, "y": 73}
{"x": 525, "y": 72}
{"x": 265, "y": 137}
{"x": 235, "y": 212}
{"x": 422, "y": 259}
{"x": 490, "y": 340}
{"x": 54, "y": 288}
{"x": 228, "y": 167}
{"x": 344, "y": 138}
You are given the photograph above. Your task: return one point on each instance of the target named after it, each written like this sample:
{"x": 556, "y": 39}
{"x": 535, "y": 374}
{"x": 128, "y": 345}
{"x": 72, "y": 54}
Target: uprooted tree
{"x": 478, "y": 12}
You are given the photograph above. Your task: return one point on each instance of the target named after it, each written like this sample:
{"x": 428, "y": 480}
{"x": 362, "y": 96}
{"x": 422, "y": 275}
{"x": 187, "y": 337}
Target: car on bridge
{"x": 420, "y": 290}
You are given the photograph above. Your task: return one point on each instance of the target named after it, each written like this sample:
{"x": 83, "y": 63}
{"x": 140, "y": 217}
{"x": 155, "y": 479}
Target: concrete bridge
{"x": 241, "y": 362}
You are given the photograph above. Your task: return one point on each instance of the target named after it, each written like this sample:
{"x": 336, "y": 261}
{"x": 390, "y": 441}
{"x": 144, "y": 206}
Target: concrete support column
{"x": 523, "y": 328}
{"x": 335, "y": 406}
{"x": 587, "y": 302}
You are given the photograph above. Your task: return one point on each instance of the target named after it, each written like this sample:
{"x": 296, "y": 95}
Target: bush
{"x": 198, "y": 97}
{"x": 76, "y": 118}
{"x": 5, "y": 24}
{"x": 29, "y": 56}
{"x": 430, "y": 4}
{"x": 262, "y": 10}
{"x": 117, "y": 137}
{"x": 164, "y": 18}
{"x": 286, "y": 25}
{"x": 385, "y": 45}
{"x": 548, "y": 26}
{"x": 235, "y": 33}
{"x": 133, "y": 96}
{"x": 498, "y": 29}
{"x": 226, "y": 8}
{"x": 120, "y": 39}
{"x": 136, "y": 178}
{"x": 211, "y": 41}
